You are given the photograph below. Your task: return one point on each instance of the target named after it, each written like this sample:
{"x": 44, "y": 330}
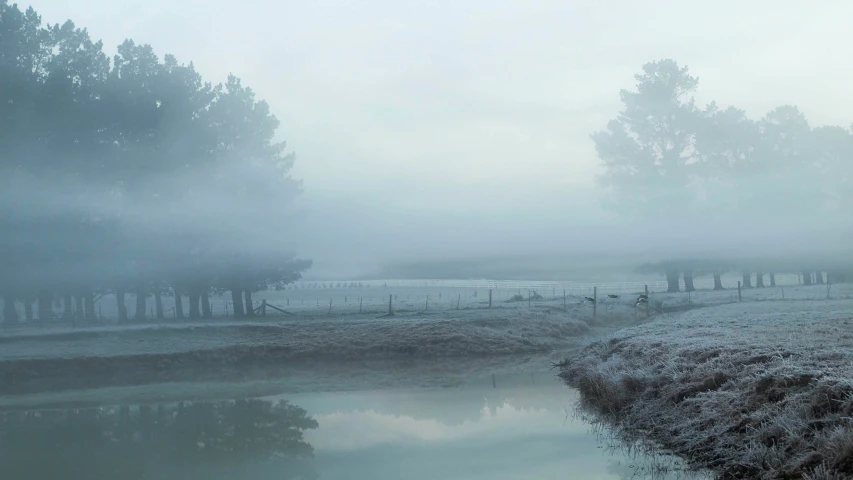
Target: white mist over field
{"x": 475, "y": 143}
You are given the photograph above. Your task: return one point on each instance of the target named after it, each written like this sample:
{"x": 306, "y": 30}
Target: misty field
{"x": 336, "y": 299}
{"x": 34, "y": 360}
{"x": 454, "y": 331}
{"x": 750, "y": 390}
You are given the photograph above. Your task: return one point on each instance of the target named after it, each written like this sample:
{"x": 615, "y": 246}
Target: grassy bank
{"x": 34, "y": 362}
{"x": 749, "y": 390}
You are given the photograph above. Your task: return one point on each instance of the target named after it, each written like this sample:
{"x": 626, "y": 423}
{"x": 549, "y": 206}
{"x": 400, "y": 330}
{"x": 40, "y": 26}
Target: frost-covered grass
{"x": 203, "y": 352}
{"x": 749, "y": 390}
{"x": 780, "y": 293}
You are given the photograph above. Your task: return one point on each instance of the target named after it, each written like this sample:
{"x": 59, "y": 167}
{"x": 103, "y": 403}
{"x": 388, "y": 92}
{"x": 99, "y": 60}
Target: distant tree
{"x": 648, "y": 151}
{"x": 788, "y": 173}
{"x": 671, "y": 269}
{"x": 831, "y": 149}
{"x": 689, "y": 269}
{"x": 726, "y": 143}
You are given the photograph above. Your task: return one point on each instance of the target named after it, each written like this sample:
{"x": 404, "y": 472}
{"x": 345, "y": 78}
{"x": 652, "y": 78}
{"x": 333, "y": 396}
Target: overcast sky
{"x": 458, "y": 110}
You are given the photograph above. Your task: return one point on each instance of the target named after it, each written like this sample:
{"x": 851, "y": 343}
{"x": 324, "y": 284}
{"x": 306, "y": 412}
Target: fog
{"x": 422, "y": 199}
{"x": 430, "y": 132}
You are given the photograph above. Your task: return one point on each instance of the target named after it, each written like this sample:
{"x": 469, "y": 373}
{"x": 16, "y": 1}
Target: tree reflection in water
{"x": 238, "y": 439}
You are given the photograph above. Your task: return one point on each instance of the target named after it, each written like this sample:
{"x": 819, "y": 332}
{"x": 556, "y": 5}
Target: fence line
{"x": 406, "y": 296}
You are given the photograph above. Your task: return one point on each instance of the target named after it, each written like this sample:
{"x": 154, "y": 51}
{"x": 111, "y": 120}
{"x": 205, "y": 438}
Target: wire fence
{"x": 338, "y": 299}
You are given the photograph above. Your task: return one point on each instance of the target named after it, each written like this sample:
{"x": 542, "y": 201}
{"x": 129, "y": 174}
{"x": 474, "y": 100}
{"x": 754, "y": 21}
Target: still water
{"x": 519, "y": 427}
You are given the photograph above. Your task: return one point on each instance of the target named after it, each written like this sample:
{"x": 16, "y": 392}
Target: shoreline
{"x": 124, "y": 357}
{"x": 746, "y": 390}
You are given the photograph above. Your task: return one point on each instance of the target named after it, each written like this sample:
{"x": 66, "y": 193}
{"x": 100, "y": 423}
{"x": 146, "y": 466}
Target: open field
{"x": 759, "y": 389}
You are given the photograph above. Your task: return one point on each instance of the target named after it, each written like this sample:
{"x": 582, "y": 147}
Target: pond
{"x": 513, "y": 427}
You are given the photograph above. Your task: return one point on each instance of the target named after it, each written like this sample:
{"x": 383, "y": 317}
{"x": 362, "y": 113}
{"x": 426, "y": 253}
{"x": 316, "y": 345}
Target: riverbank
{"x": 60, "y": 360}
{"x": 748, "y": 390}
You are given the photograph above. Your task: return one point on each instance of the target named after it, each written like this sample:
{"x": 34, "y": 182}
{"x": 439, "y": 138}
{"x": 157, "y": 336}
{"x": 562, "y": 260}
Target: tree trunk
{"x": 772, "y": 279}
{"x": 759, "y": 280}
{"x": 67, "y": 307}
{"x": 9, "y": 312}
{"x": 28, "y": 309}
{"x": 807, "y": 278}
{"x": 718, "y": 281}
{"x": 672, "y": 281}
{"x": 45, "y": 309}
{"x": 818, "y": 277}
{"x": 179, "y": 304}
{"x": 79, "y": 311}
{"x": 141, "y": 304}
{"x": 158, "y": 305}
{"x": 206, "y": 311}
{"x": 122, "y": 307}
{"x": 194, "y": 305}
{"x": 747, "y": 281}
{"x": 688, "y": 282}
{"x": 237, "y": 300}
{"x": 90, "y": 305}
{"x": 250, "y": 305}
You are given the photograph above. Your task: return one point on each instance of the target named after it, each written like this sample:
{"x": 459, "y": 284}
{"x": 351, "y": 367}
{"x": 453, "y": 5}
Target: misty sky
{"x": 460, "y": 117}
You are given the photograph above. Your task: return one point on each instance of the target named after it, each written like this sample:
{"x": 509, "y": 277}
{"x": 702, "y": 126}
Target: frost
{"x": 753, "y": 389}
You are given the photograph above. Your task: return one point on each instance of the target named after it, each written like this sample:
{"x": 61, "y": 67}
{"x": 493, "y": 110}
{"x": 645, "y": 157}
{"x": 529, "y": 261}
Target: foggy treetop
{"x": 711, "y": 178}
{"x": 133, "y": 172}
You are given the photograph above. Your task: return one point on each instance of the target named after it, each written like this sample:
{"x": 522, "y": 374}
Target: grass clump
{"x": 742, "y": 392}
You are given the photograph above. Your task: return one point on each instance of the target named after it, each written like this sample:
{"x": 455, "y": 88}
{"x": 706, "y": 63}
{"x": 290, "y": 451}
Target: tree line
{"x": 665, "y": 156}
{"x": 132, "y": 174}
{"x": 763, "y": 271}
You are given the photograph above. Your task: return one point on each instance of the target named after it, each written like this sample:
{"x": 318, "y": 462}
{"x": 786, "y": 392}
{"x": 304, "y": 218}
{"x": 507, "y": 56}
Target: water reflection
{"x": 254, "y": 439}
{"x": 519, "y": 431}
{"x": 637, "y": 460}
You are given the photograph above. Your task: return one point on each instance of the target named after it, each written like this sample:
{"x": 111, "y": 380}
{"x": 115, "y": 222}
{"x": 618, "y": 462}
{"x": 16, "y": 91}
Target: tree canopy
{"x": 676, "y": 165}
{"x": 663, "y": 154}
{"x": 133, "y": 173}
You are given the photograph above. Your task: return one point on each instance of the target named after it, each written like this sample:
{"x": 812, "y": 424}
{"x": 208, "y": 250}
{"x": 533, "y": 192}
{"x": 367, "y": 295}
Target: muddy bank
{"x": 760, "y": 390}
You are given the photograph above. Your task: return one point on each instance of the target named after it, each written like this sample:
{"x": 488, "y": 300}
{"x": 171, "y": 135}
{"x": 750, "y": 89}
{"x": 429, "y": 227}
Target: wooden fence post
{"x": 648, "y": 304}
{"x": 739, "y": 297}
{"x": 390, "y": 310}
{"x": 330, "y": 306}
{"x": 426, "y": 305}
{"x": 490, "y": 298}
{"x": 458, "y": 298}
{"x": 594, "y": 302}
